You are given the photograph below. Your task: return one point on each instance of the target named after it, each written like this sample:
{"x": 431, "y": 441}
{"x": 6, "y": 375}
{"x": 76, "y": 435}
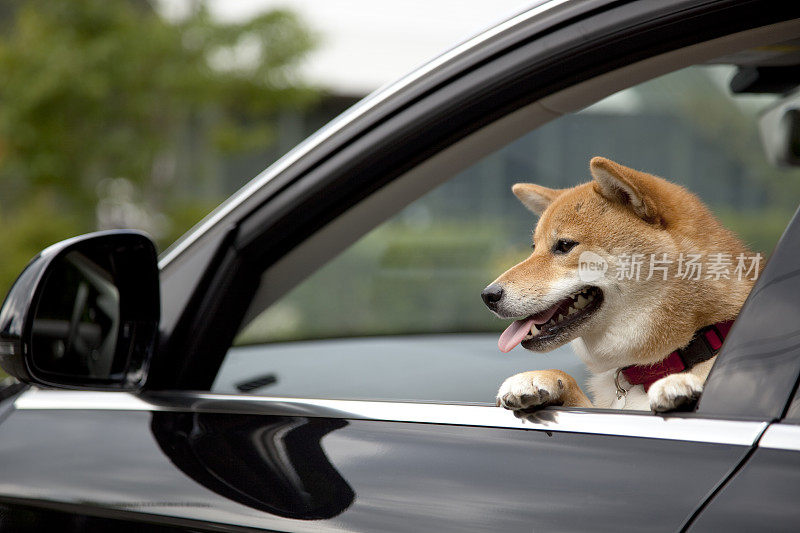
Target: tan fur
{"x": 625, "y": 211}
{"x": 536, "y": 389}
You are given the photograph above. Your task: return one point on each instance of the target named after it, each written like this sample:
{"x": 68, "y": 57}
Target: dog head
{"x": 598, "y": 269}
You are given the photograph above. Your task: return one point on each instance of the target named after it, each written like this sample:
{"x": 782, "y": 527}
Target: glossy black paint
{"x": 759, "y": 364}
{"x": 18, "y": 517}
{"x": 272, "y": 464}
{"x": 300, "y": 474}
{"x": 762, "y": 496}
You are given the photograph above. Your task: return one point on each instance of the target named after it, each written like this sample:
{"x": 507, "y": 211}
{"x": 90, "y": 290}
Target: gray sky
{"x": 364, "y": 44}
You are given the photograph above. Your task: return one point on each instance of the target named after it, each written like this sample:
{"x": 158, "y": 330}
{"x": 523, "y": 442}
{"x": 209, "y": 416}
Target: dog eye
{"x": 563, "y": 246}
{"x": 533, "y": 246}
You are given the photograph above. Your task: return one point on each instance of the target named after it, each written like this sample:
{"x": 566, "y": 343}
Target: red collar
{"x": 705, "y": 345}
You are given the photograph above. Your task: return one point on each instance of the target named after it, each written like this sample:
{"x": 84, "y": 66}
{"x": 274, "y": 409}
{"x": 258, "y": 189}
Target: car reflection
{"x": 273, "y": 464}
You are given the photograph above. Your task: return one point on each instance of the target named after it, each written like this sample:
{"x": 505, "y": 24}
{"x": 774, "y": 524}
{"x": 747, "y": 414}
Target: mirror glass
{"x": 77, "y": 319}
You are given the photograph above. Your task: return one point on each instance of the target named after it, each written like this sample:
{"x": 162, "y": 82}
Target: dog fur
{"x": 639, "y": 322}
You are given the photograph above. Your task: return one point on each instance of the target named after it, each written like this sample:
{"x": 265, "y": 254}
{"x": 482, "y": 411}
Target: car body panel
{"x": 763, "y": 494}
{"x": 317, "y": 473}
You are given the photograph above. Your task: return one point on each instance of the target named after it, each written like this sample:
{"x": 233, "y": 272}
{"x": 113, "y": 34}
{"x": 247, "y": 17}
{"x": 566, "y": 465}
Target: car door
{"x": 209, "y": 461}
{"x": 762, "y": 492}
{"x": 169, "y": 461}
{"x": 180, "y": 455}
{"x": 772, "y": 473}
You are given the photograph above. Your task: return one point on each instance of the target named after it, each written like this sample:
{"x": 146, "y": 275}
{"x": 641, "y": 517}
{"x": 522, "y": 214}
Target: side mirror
{"x": 84, "y": 313}
{"x": 779, "y": 128}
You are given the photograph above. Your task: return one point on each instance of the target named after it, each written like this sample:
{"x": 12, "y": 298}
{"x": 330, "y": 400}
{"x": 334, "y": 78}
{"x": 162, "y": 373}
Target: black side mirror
{"x": 84, "y": 313}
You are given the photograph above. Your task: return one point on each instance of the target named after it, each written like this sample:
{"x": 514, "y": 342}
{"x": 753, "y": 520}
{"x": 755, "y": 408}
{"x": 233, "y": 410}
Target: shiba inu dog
{"x": 638, "y": 274}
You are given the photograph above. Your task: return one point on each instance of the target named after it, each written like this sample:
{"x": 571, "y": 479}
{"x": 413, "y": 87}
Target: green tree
{"x": 108, "y": 104}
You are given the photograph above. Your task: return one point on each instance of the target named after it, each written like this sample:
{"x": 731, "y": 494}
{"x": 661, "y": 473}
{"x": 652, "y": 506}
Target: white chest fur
{"x": 603, "y": 392}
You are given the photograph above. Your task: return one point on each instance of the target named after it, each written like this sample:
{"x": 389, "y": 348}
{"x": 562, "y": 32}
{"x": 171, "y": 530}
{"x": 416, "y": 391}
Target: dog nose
{"x": 491, "y": 295}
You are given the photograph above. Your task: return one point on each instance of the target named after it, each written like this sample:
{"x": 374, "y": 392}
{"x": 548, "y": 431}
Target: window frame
{"x": 291, "y": 211}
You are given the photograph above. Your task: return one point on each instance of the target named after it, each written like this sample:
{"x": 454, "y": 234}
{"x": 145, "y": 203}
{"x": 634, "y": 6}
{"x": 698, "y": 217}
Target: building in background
{"x": 363, "y": 45}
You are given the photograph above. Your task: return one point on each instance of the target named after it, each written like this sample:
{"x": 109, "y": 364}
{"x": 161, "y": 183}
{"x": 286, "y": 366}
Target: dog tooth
{"x": 582, "y": 302}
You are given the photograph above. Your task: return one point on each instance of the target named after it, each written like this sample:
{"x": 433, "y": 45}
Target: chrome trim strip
{"x": 643, "y": 425}
{"x": 363, "y": 106}
{"x": 781, "y": 437}
{"x": 36, "y": 399}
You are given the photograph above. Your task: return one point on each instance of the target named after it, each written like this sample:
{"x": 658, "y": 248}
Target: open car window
{"x": 398, "y": 314}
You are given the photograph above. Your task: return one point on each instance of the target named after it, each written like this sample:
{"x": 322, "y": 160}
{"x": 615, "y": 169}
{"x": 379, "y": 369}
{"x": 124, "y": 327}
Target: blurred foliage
{"x": 27, "y": 230}
{"x": 422, "y": 271}
{"x": 398, "y": 279}
{"x": 92, "y": 90}
{"x": 758, "y": 229}
{"x": 729, "y": 124}
{"x": 403, "y": 280}
{"x": 110, "y": 114}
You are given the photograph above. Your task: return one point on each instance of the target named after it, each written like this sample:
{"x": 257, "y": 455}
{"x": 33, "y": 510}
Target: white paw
{"x": 530, "y": 389}
{"x": 675, "y": 391}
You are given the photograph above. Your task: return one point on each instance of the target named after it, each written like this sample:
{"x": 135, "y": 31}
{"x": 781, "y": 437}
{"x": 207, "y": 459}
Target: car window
{"x": 398, "y": 315}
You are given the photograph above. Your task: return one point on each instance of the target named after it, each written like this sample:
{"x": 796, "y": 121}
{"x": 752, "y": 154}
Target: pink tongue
{"x": 517, "y": 331}
{"x": 514, "y": 334}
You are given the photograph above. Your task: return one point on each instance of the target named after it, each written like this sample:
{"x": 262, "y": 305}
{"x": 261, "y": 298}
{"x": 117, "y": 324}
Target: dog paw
{"x": 530, "y": 390}
{"x": 676, "y": 392}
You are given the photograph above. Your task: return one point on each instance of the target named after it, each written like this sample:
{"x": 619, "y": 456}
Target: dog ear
{"x": 535, "y": 197}
{"x": 626, "y": 186}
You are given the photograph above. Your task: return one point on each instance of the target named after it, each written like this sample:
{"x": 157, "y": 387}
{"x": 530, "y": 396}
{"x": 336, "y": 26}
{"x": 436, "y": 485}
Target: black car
{"x": 314, "y": 355}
